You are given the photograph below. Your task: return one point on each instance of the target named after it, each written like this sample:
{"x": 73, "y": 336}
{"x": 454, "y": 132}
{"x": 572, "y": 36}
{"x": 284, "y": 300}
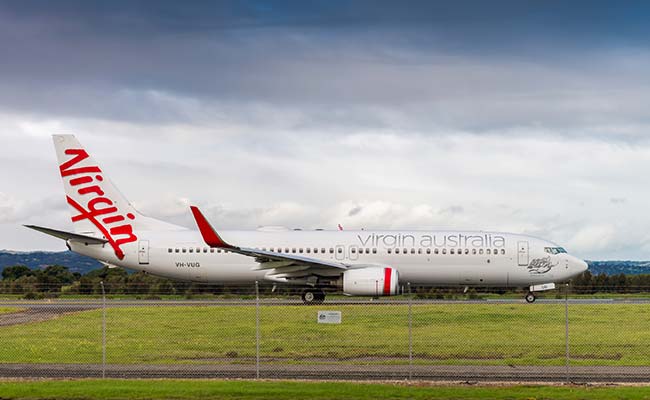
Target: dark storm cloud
{"x": 334, "y": 65}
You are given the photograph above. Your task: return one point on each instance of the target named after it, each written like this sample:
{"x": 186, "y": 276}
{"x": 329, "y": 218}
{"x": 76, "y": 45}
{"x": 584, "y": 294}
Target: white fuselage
{"x": 441, "y": 258}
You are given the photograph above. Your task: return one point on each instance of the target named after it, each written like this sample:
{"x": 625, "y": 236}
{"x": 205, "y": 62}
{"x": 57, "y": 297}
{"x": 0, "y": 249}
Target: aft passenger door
{"x": 522, "y": 252}
{"x": 143, "y": 252}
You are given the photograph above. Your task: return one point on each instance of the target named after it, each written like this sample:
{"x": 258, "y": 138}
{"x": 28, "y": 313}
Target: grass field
{"x": 5, "y": 310}
{"x": 481, "y": 334}
{"x": 190, "y": 390}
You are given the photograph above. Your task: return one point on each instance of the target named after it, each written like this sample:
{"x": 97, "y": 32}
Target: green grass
{"x": 477, "y": 334}
{"x": 277, "y": 390}
{"x": 7, "y": 310}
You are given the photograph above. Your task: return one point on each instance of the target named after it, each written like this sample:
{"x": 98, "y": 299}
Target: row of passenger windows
{"x": 353, "y": 250}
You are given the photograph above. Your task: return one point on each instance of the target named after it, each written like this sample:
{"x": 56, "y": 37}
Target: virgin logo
{"x": 96, "y": 207}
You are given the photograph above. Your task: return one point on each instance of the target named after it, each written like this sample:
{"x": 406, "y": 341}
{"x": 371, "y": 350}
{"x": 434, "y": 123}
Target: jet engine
{"x": 371, "y": 281}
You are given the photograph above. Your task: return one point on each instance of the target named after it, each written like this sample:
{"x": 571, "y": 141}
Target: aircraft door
{"x": 339, "y": 252}
{"x": 143, "y": 252}
{"x": 522, "y": 252}
{"x": 354, "y": 253}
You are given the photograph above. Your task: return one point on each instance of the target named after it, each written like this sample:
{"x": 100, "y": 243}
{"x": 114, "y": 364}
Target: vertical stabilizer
{"x": 98, "y": 208}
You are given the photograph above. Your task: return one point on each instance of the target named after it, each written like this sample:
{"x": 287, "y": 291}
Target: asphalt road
{"x": 97, "y": 303}
{"x": 336, "y": 371}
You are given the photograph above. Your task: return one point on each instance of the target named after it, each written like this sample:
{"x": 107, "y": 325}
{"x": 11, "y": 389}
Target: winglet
{"x": 210, "y": 236}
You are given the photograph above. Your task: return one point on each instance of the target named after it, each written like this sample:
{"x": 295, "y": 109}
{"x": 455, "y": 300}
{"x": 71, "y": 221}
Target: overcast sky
{"x": 522, "y": 116}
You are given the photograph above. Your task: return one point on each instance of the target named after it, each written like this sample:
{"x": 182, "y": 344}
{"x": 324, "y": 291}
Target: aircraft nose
{"x": 578, "y": 266}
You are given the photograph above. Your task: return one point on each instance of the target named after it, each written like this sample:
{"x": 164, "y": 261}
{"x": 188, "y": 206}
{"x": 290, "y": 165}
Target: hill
{"x": 41, "y": 259}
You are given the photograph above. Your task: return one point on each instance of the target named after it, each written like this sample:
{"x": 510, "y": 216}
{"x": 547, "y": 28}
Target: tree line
{"x": 57, "y": 279}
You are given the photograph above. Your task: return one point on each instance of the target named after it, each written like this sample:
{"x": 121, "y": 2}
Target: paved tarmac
{"x": 96, "y": 303}
{"x": 333, "y": 371}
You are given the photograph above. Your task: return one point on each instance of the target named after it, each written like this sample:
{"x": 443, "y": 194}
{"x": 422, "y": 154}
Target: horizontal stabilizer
{"x": 68, "y": 235}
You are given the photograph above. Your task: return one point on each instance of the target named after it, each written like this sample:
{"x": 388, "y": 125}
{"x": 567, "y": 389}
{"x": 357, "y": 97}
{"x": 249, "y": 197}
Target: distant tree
{"x": 53, "y": 277}
{"x": 15, "y": 272}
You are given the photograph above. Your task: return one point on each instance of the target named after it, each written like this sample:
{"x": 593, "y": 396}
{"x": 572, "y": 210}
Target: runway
{"x": 97, "y": 303}
{"x": 338, "y": 371}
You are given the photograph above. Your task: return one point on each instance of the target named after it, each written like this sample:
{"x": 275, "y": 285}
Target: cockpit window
{"x": 554, "y": 250}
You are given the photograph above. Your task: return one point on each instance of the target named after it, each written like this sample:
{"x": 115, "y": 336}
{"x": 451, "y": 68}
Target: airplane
{"x": 108, "y": 228}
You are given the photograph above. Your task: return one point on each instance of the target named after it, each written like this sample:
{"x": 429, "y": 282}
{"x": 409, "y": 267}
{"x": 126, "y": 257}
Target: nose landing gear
{"x": 530, "y": 297}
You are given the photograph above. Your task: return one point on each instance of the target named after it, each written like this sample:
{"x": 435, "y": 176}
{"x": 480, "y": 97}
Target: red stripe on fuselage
{"x": 387, "y": 275}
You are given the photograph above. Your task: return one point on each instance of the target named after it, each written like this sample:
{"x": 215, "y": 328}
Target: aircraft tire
{"x": 530, "y": 297}
{"x": 313, "y": 296}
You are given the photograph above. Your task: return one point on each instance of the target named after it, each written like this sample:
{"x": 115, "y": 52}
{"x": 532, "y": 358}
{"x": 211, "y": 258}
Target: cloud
{"x": 371, "y": 115}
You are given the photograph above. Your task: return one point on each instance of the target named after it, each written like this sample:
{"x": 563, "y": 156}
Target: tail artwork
{"x": 98, "y": 208}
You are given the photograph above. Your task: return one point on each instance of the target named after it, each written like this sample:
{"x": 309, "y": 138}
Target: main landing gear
{"x": 530, "y": 297}
{"x": 313, "y": 296}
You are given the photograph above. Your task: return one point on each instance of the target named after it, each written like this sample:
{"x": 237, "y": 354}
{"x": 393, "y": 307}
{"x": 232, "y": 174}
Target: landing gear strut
{"x": 313, "y": 296}
{"x": 530, "y": 297}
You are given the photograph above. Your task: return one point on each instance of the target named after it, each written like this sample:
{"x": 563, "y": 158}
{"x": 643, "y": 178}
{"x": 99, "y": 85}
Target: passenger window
{"x": 293, "y": 250}
{"x": 322, "y": 250}
{"x": 473, "y": 251}
{"x": 367, "y": 251}
{"x": 353, "y": 250}
{"x": 495, "y": 252}
{"x": 286, "y": 250}
{"x": 315, "y": 250}
{"x": 451, "y": 251}
{"x": 428, "y": 251}
{"x": 169, "y": 250}
{"x": 374, "y": 250}
{"x": 487, "y": 251}
{"x": 389, "y": 251}
{"x": 444, "y": 251}
{"x": 300, "y": 250}
{"x": 405, "y": 251}
{"x": 396, "y": 251}
{"x": 419, "y": 251}
{"x": 191, "y": 250}
{"x": 176, "y": 250}
{"x": 480, "y": 251}
{"x": 308, "y": 250}
{"x": 184, "y": 250}
{"x": 412, "y": 251}
{"x": 198, "y": 250}
{"x": 340, "y": 250}
{"x": 503, "y": 251}
{"x": 218, "y": 250}
{"x": 211, "y": 250}
{"x": 331, "y": 250}
{"x": 435, "y": 251}
{"x": 466, "y": 251}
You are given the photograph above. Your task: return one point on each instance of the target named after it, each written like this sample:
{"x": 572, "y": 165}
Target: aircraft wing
{"x": 268, "y": 260}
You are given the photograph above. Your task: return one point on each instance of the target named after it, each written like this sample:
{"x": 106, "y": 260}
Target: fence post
{"x": 101, "y": 283}
{"x": 257, "y": 330}
{"x": 566, "y": 330}
{"x": 408, "y": 284}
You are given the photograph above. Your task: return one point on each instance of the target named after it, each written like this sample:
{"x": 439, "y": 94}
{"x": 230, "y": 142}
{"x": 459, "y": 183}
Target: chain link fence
{"x": 252, "y": 332}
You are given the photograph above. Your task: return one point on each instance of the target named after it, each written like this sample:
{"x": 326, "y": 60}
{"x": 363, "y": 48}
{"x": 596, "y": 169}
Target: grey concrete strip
{"x": 37, "y": 314}
{"x": 334, "y": 371}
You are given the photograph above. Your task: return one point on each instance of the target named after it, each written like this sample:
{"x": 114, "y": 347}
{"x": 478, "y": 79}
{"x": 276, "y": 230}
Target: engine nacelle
{"x": 371, "y": 281}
